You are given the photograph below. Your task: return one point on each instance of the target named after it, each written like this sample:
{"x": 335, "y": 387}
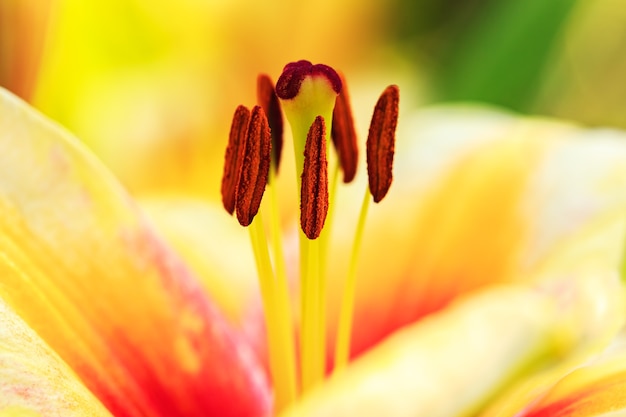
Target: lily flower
{"x": 490, "y": 267}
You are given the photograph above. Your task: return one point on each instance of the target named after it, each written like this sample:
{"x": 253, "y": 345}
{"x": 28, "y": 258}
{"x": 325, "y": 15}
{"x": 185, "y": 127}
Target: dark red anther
{"x": 289, "y": 82}
{"x": 314, "y": 190}
{"x": 234, "y": 157}
{"x": 268, "y": 100}
{"x": 255, "y": 168}
{"x": 381, "y": 142}
{"x": 344, "y": 135}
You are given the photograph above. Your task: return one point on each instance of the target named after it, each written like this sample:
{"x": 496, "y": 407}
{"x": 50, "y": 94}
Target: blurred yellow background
{"x": 150, "y": 85}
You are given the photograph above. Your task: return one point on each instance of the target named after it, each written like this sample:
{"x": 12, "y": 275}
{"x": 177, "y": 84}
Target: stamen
{"x": 344, "y": 330}
{"x": 268, "y": 100}
{"x": 380, "y": 148}
{"x": 313, "y": 211}
{"x": 255, "y": 168}
{"x": 381, "y": 141}
{"x": 308, "y": 94}
{"x": 234, "y": 157}
{"x": 314, "y": 191}
{"x": 344, "y": 135}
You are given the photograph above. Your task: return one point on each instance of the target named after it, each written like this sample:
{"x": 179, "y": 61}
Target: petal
{"x": 479, "y": 197}
{"x": 593, "y": 390}
{"x": 225, "y": 266}
{"x": 457, "y": 360}
{"x": 24, "y": 27}
{"x": 84, "y": 269}
{"x": 34, "y": 381}
{"x": 599, "y": 316}
{"x": 453, "y": 362}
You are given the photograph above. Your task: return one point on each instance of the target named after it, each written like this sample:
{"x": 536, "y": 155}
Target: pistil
{"x": 308, "y": 93}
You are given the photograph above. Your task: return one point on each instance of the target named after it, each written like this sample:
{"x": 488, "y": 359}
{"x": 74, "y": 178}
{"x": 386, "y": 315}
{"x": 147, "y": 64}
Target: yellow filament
{"x": 322, "y": 277}
{"x": 313, "y": 357}
{"x": 328, "y": 225}
{"x": 284, "y": 384}
{"x": 344, "y": 332}
{"x": 312, "y": 280}
{"x": 283, "y": 304}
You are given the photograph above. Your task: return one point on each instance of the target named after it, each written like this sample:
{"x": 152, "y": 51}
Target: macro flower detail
{"x": 311, "y": 97}
{"x": 486, "y": 284}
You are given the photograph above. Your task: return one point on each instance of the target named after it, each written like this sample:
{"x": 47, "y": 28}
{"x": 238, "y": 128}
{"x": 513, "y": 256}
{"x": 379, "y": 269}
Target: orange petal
{"x": 593, "y": 390}
{"x": 225, "y": 266}
{"x": 599, "y": 315}
{"x": 457, "y": 360}
{"x": 34, "y": 381}
{"x": 479, "y": 197}
{"x": 83, "y": 268}
{"x": 454, "y": 361}
{"x": 24, "y": 28}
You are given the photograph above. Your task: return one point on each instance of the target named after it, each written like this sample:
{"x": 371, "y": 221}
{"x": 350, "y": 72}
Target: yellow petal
{"x": 456, "y": 361}
{"x": 24, "y": 26}
{"x": 225, "y": 266}
{"x": 599, "y": 316}
{"x": 451, "y": 363}
{"x": 535, "y": 209}
{"x": 34, "y": 381}
{"x": 83, "y": 268}
{"x": 596, "y": 389}
{"x": 479, "y": 197}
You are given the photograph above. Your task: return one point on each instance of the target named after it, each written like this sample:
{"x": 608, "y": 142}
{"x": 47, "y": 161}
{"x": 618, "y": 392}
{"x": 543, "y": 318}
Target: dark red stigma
{"x": 289, "y": 82}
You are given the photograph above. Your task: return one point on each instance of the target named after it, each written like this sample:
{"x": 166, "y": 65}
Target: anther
{"x": 381, "y": 142}
{"x": 314, "y": 191}
{"x": 344, "y": 135}
{"x": 234, "y": 157}
{"x": 268, "y": 100}
{"x": 255, "y": 168}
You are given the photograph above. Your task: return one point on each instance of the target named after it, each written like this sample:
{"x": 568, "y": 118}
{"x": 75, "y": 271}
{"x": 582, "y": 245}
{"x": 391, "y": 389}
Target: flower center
{"x": 310, "y": 96}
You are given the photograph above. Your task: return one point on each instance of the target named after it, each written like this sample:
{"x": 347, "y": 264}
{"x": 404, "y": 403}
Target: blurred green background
{"x": 150, "y": 85}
